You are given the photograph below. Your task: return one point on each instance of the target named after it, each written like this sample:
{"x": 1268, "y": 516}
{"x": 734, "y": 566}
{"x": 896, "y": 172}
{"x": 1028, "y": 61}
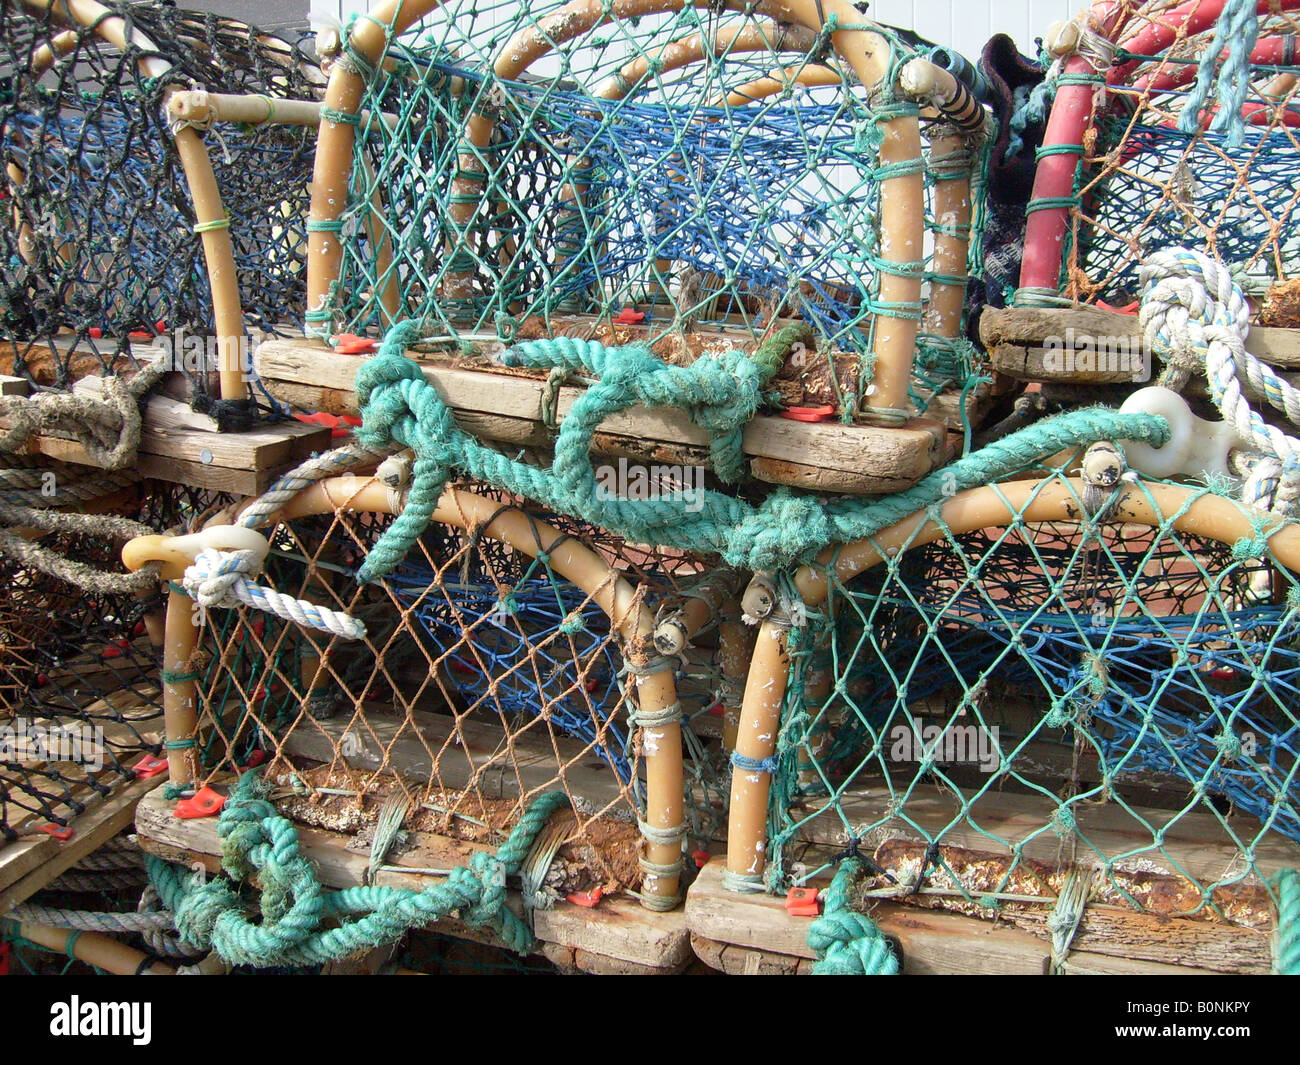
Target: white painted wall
{"x": 961, "y": 24}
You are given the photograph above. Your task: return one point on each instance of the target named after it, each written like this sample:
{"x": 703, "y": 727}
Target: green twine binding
{"x": 848, "y": 943}
{"x": 1286, "y": 934}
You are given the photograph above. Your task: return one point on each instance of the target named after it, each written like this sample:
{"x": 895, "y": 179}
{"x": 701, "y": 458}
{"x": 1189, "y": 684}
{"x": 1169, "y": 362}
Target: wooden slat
{"x": 933, "y": 941}
{"x": 239, "y": 463}
{"x": 1194, "y": 842}
{"x": 30, "y": 864}
{"x": 870, "y": 458}
{"x": 617, "y": 930}
{"x": 1029, "y": 327}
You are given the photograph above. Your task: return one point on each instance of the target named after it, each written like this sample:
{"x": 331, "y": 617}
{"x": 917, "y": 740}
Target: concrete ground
{"x": 266, "y": 14}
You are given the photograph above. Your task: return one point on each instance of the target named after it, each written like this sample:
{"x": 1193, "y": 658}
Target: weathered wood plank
{"x": 873, "y": 458}
{"x": 934, "y": 941}
{"x": 30, "y": 864}
{"x": 1030, "y": 327}
{"x": 931, "y": 942}
{"x": 239, "y": 463}
{"x": 1044, "y": 364}
{"x": 1195, "y": 842}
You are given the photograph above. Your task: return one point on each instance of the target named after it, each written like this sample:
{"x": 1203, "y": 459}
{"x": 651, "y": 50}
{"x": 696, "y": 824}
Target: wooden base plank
{"x": 746, "y": 933}
{"x": 1195, "y": 842}
{"x": 618, "y": 931}
{"x": 30, "y": 864}
{"x": 243, "y": 464}
{"x": 860, "y": 458}
{"x": 1032, "y": 327}
{"x": 930, "y": 942}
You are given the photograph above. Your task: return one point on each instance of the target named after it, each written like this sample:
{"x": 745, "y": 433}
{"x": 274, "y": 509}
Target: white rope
{"x": 1195, "y": 315}
{"x": 224, "y": 579}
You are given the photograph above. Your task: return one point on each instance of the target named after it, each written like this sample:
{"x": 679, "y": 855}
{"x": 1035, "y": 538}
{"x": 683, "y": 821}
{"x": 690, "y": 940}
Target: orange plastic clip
{"x": 808, "y": 414}
{"x": 587, "y": 898}
{"x": 627, "y": 316}
{"x": 351, "y": 344}
{"x": 204, "y": 803}
{"x": 802, "y": 902}
{"x": 149, "y": 766}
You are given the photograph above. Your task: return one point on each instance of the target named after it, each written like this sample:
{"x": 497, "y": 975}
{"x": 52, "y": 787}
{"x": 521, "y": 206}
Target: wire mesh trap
{"x": 523, "y": 170}
{"x": 80, "y": 689}
{"x": 1165, "y": 156}
{"x": 994, "y": 717}
{"x": 486, "y": 677}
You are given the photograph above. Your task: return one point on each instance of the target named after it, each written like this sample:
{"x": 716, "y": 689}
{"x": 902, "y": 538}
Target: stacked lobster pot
{"x": 715, "y": 561}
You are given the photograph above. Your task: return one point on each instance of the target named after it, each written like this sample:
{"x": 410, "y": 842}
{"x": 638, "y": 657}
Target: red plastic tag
{"x": 204, "y": 803}
{"x": 587, "y": 898}
{"x": 59, "y": 832}
{"x": 351, "y": 344}
{"x": 627, "y": 316}
{"x": 807, "y": 414}
{"x": 149, "y": 766}
{"x": 802, "y": 902}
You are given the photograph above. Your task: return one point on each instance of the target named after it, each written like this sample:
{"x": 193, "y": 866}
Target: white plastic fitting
{"x": 1196, "y": 447}
{"x": 175, "y": 553}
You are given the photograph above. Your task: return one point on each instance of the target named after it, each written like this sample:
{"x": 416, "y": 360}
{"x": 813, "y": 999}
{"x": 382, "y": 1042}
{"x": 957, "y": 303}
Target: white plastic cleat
{"x": 175, "y": 553}
{"x": 1196, "y": 447}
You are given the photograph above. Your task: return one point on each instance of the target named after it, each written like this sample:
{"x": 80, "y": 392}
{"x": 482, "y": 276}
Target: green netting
{"x": 1039, "y": 697}
{"x": 485, "y": 679}
{"x": 618, "y": 176}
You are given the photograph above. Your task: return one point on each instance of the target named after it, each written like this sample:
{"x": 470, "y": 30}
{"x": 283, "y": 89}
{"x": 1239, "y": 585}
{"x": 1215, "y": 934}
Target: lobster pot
{"x": 1154, "y": 173}
{"x": 80, "y": 694}
{"x": 524, "y": 169}
{"x": 99, "y": 248}
{"x": 992, "y": 713}
{"x": 486, "y": 678}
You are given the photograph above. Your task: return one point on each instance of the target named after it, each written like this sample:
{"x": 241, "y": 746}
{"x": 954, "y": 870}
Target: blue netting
{"x": 519, "y": 659}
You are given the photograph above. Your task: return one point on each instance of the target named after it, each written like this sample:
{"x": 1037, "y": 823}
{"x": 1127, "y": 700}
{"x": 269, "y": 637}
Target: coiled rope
{"x": 1196, "y": 315}
{"x": 293, "y": 923}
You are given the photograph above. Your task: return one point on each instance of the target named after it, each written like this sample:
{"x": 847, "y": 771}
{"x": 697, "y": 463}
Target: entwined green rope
{"x": 295, "y": 920}
{"x": 720, "y": 393}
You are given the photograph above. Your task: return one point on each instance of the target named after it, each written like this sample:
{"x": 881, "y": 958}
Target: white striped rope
{"x": 1193, "y": 310}
{"x": 223, "y": 579}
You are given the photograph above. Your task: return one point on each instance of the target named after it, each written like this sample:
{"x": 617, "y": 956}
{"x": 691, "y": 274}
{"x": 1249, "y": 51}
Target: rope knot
{"x": 785, "y": 528}
{"x": 216, "y": 577}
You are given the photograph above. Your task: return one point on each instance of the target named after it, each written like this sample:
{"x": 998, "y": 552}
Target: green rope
{"x": 720, "y": 394}
{"x": 848, "y": 943}
{"x": 295, "y": 924}
{"x": 1286, "y": 937}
